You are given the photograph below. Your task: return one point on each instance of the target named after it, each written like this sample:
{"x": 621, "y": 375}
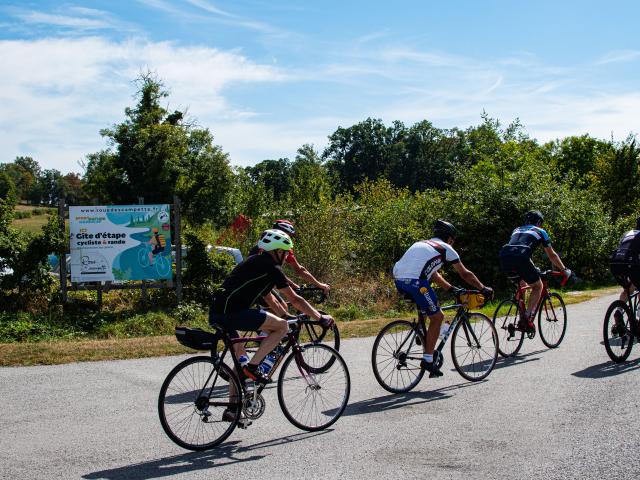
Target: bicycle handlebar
{"x": 302, "y": 289}
{"x": 556, "y": 273}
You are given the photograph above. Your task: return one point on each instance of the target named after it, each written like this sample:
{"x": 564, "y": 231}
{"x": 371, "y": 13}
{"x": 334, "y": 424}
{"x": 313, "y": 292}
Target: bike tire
{"x": 180, "y": 402}
{"x": 316, "y": 334}
{"x": 143, "y": 257}
{"x": 618, "y": 344}
{"x": 552, "y": 320}
{"x": 509, "y": 342}
{"x": 474, "y": 347}
{"x": 391, "y": 367}
{"x": 163, "y": 266}
{"x": 313, "y": 401}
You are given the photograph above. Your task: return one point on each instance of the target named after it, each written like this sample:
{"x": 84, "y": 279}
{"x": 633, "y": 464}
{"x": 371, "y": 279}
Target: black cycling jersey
{"x": 524, "y": 240}
{"x": 253, "y": 278}
{"x": 631, "y": 241}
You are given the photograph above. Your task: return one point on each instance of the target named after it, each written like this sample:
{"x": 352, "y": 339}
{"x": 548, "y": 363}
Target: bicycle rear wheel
{"x": 505, "y": 319}
{"x": 474, "y": 347}
{"x": 552, "y": 320}
{"x": 396, "y": 356}
{"x": 311, "y": 396}
{"x": 618, "y": 332}
{"x": 191, "y": 405}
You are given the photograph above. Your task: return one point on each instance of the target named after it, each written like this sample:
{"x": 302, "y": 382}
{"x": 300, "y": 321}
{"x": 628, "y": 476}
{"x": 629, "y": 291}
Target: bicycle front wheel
{"x": 193, "y": 399}
{"x": 618, "y": 331}
{"x": 396, "y": 356}
{"x": 552, "y": 320}
{"x": 311, "y": 396}
{"x": 474, "y": 347}
{"x": 505, "y": 319}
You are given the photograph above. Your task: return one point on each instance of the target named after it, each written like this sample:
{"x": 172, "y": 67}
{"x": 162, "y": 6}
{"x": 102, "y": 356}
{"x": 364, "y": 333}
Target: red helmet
{"x": 284, "y": 226}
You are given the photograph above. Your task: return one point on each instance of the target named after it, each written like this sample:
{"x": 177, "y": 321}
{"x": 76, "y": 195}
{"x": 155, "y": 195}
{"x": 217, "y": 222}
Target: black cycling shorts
{"x": 523, "y": 266}
{"x": 626, "y": 273}
{"x": 248, "y": 320}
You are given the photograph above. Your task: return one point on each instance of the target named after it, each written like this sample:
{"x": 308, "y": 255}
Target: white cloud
{"x": 619, "y": 56}
{"x": 55, "y": 94}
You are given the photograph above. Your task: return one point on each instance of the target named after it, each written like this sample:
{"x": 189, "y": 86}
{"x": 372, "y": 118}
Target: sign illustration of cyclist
{"x": 151, "y": 254}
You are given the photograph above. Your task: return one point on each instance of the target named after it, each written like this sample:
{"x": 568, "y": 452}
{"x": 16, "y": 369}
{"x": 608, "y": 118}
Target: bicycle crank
{"x": 253, "y": 406}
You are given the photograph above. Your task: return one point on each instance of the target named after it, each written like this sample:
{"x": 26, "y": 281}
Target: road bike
{"x": 313, "y": 387}
{"x": 551, "y": 312}
{"x": 619, "y": 332}
{"x": 398, "y": 348}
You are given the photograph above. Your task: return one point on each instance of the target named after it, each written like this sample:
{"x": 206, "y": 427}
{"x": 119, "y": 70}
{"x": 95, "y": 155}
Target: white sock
{"x": 428, "y": 358}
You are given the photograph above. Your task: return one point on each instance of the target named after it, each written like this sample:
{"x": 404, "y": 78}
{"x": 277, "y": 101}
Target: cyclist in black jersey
{"x": 515, "y": 257}
{"x": 256, "y": 277}
{"x": 625, "y": 265}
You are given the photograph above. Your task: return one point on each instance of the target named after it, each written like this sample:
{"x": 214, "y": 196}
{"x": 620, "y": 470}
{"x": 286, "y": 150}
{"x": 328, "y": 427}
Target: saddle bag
{"x": 197, "y": 338}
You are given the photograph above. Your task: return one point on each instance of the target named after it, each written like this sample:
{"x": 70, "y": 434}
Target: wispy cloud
{"x": 56, "y": 94}
{"x": 84, "y": 23}
{"x": 214, "y": 14}
{"x": 619, "y": 56}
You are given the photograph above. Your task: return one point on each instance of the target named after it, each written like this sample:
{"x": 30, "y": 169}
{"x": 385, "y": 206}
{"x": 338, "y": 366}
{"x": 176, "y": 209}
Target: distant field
{"x": 34, "y": 223}
{"x": 31, "y": 224}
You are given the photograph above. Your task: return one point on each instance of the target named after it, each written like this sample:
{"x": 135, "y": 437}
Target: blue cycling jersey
{"x": 524, "y": 241}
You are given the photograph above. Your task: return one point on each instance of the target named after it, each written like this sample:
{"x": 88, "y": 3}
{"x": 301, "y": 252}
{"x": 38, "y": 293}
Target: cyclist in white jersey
{"x": 418, "y": 267}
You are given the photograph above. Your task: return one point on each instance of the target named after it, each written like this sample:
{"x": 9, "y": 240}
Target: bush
{"x": 204, "y": 271}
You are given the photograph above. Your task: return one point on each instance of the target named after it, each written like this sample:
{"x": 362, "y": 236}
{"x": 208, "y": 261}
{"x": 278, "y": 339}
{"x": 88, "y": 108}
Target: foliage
{"x": 204, "y": 271}
{"x": 29, "y": 285}
{"x": 156, "y": 154}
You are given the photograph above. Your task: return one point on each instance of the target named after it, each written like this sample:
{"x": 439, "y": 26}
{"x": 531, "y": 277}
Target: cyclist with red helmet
{"x": 515, "y": 257}
{"x": 287, "y": 227}
{"x": 414, "y": 272}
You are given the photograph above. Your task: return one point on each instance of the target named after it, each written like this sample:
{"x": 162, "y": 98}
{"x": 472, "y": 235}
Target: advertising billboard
{"x": 120, "y": 242}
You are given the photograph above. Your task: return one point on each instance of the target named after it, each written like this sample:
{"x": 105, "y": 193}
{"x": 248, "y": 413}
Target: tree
{"x": 7, "y": 188}
{"x": 155, "y": 154}
{"x": 362, "y": 152}
{"x": 275, "y": 175}
{"x": 616, "y": 178}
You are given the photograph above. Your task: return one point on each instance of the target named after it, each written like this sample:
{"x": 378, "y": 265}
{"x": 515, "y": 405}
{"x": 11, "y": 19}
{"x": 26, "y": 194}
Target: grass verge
{"x": 67, "y": 351}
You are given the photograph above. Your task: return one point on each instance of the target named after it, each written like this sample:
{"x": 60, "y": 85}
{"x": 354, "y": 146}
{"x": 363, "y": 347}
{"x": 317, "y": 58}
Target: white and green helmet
{"x": 275, "y": 240}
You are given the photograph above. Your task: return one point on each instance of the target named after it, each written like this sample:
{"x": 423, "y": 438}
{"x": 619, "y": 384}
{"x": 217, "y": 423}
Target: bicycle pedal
{"x": 435, "y": 374}
{"x": 244, "y": 423}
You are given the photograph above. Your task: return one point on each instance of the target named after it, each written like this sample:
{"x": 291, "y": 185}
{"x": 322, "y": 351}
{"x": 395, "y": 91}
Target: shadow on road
{"x": 392, "y": 401}
{"x": 517, "y": 360}
{"x": 607, "y": 369}
{"x": 226, "y": 454}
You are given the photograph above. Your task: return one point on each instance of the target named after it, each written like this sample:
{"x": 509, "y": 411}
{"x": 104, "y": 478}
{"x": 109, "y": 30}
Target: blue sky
{"x": 266, "y": 76}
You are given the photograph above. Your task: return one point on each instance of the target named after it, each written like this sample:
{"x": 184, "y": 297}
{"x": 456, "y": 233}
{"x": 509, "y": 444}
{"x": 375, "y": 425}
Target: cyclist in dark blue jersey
{"x": 625, "y": 266}
{"x": 515, "y": 257}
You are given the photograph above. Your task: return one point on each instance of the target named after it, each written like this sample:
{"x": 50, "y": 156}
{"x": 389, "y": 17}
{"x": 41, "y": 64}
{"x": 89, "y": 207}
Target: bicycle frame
{"x": 292, "y": 344}
{"x": 421, "y": 329}
{"x": 521, "y": 290}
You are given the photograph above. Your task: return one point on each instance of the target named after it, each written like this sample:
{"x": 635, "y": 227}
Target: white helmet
{"x": 275, "y": 240}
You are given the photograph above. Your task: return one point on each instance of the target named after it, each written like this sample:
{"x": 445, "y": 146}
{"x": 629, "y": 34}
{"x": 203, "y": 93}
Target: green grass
{"x": 27, "y": 340}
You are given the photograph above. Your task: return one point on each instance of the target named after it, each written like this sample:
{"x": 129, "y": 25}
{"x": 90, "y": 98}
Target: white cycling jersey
{"x": 424, "y": 258}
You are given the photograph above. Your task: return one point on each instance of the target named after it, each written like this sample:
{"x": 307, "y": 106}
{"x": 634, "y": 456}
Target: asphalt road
{"x": 563, "y": 413}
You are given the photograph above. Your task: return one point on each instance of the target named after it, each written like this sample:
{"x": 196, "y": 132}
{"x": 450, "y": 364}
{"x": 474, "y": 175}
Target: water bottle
{"x": 243, "y": 360}
{"x": 267, "y": 364}
{"x": 444, "y": 329}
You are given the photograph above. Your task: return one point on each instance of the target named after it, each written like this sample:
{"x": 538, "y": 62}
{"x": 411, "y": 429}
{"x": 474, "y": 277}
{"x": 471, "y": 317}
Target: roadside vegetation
{"x": 357, "y": 205}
